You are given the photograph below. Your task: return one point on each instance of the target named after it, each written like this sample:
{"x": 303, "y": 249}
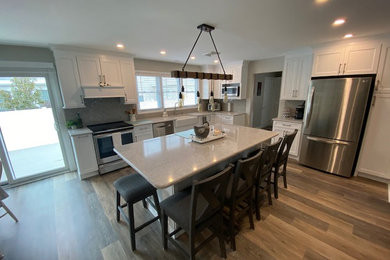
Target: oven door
{"x": 105, "y": 143}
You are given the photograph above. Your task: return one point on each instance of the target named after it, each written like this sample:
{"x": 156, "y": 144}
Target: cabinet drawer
{"x": 227, "y": 120}
{"x": 286, "y": 124}
{"x": 143, "y": 128}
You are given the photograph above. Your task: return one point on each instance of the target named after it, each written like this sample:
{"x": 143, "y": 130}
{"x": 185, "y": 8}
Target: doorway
{"x": 30, "y": 145}
{"x": 266, "y": 99}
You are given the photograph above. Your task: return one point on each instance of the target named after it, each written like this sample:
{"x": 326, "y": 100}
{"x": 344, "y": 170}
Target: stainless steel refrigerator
{"x": 334, "y": 116}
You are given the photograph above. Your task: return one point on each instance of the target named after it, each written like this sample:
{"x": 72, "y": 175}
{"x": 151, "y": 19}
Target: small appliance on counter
{"x": 299, "y": 111}
{"x": 217, "y": 106}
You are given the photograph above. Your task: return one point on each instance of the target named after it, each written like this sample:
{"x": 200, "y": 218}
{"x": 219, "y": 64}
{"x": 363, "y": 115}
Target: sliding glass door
{"x": 29, "y": 141}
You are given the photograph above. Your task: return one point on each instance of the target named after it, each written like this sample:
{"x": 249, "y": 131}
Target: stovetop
{"x": 110, "y": 127}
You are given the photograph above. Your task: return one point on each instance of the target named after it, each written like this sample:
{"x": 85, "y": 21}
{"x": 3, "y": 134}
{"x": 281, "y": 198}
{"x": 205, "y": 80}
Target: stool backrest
{"x": 208, "y": 195}
{"x": 245, "y": 174}
{"x": 267, "y": 161}
{"x": 285, "y": 147}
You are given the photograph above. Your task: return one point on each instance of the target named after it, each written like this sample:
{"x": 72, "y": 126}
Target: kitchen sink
{"x": 186, "y": 121}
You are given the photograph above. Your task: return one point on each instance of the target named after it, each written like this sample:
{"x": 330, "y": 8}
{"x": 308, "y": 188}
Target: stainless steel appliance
{"x": 163, "y": 128}
{"x": 299, "y": 111}
{"x": 232, "y": 89}
{"x": 335, "y": 113}
{"x": 106, "y": 137}
{"x": 217, "y": 106}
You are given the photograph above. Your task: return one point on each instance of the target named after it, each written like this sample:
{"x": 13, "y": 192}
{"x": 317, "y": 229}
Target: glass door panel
{"x": 28, "y": 127}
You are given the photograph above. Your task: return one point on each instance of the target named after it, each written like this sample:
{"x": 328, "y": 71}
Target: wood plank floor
{"x": 319, "y": 216}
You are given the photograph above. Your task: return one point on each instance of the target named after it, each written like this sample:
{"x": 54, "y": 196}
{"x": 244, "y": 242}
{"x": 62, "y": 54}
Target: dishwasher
{"x": 164, "y": 128}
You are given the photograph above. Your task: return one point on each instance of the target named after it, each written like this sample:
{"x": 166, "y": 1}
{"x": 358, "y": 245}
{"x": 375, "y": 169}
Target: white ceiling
{"x": 245, "y": 29}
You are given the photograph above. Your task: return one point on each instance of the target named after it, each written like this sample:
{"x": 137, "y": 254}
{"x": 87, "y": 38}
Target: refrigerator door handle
{"x": 310, "y": 104}
{"x": 327, "y": 141}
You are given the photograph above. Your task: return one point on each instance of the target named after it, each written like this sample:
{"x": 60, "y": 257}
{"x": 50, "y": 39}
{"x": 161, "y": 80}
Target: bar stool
{"x": 133, "y": 188}
{"x": 281, "y": 160}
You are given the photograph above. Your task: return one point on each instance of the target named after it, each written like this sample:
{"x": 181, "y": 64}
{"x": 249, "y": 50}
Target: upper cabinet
{"x": 87, "y": 74}
{"x": 359, "y": 58}
{"x": 383, "y": 77}
{"x": 68, "y": 77}
{"x": 296, "y": 77}
{"x": 99, "y": 72}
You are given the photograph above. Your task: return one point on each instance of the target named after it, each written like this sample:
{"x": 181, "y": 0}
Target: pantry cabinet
{"x": 353, "y": 59}
{"x": 296, "y": 77}
{"x": 283, "y": 127}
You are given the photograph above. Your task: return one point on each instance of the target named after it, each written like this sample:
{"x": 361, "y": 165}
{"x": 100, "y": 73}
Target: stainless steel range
{"x": 106, "y": 137}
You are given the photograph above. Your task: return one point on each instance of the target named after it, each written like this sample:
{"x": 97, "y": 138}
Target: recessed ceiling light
{"x": 339, "y": 21}
{"x": 349, "y": 35}
{"x": 163, "y": 52}
{"x": 120, "y": 45}
{"x": 193, "y": 57}
{"x": 216, "y": 61}
{"x": 321, "y": 1}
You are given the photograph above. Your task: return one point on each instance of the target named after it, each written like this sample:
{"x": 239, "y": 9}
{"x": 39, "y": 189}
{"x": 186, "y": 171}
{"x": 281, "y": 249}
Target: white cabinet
{"x": 383, "y": 77}
{"x": 231, "y": 119}
{"x": 358, "y": 58}
{"x": 284, "y": 127}
{"x": 143, "y": 132}
{"x": 85, "y": 155}
{"x": 374, "y": 158}
{"x": 129, "y": 82}
{"x": 68, "y": 77}
{"x": 296, "y": 77}
{"x": 98, "y": 71}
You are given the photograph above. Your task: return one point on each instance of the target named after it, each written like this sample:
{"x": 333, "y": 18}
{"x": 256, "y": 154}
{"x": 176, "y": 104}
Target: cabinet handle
{"x": 126, "y": 97}
{"x": 105, "y": 83}
{"x": 339, "y": 69}
{"x": 101, "y": 81}
{"x": 82, "y": 99}
{"x": 373, "y": 100}
{"x": 345, "y": 64}
{"x": 82, "y": 136}
{"x": 377, "y": 84}
{"x": 286, "y": 125}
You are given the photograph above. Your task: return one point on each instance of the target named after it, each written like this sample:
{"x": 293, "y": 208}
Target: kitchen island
{"x": 174, "y": 160}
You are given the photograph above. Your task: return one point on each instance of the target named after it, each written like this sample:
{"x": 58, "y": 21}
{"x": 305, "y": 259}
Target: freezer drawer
{"x": 328, "y": 155}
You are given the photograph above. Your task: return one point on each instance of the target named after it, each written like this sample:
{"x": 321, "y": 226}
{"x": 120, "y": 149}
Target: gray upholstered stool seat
{"x": 133, "y": 188}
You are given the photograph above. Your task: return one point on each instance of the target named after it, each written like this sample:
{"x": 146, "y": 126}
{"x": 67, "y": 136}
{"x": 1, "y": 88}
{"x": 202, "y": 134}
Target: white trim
{"x": 26, "y": 64}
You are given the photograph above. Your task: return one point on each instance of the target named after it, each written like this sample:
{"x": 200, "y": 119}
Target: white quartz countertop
{"x": 80, "y": 131}
{"x": 168, "y": 160}
{"x": 290, "y": 119}
{"x": 225, "y": 113}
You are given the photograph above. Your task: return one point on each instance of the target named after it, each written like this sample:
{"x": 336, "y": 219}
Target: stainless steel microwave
{"x": 232, "y": 89}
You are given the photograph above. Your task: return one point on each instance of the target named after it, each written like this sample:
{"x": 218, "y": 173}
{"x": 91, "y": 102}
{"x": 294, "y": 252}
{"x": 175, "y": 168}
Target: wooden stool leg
{"x": 221, "y": 238}
{"x": 157, "y": 205}
{"x": 131, "y": 225}
{"x": 257, "y": 202}
{"x": 276, "y": 183}
{"x": 269, "y": 191}
{"x": 164, "y": 230}
{"x": 9, "y": 211}
{"x": 250, "y": 211}
{"x": 285, "y": 175}
{"x": 118, "y": 204}
{"x": 231, "y": 229}
{"x": 144, "y": 203}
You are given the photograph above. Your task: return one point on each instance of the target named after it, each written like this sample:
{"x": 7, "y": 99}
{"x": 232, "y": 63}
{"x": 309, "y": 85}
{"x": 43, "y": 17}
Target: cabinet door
{"x": 111, "y": 71}
{"x": 239, "y": 120}
{"x": 383, "y": 82}
{"x": 292, "y": 68}
{"x": 129, "y": 82}
{"x": 374, "y": 156}
{"x": 72, "y": 95}
{"x": 304, "y": 78}
{"x": 89, "y": 71}
{"x": 85, "y": 155}
{"x": 226, "y": 120}
{"x": 144, "y": 136}
{"x": 328, "y": 62}
{"x": 361, "y": 59}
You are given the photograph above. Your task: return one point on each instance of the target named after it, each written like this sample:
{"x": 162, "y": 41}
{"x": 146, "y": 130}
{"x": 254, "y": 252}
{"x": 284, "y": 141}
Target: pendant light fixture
{"x": 202, "y": 75}
{"x": 225, "y": 96}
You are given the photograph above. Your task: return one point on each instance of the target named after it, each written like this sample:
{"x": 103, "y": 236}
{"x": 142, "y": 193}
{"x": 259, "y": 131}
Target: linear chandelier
{"x": 202, "y": 75}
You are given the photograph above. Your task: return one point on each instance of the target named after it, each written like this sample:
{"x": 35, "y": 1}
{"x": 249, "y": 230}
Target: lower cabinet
{"x": 220, "y": 118}
{"x": 374, "y": 158}
{"x": 143, "y": 132}
{"x": 284, "y": 127}
{"x": 85, "y": 155}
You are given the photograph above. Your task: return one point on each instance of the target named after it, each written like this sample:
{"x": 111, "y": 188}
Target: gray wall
{"x": 25, "y": 53}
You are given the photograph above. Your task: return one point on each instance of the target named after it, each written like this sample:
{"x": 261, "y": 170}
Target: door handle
{"x": 373, "y": 100}
{"x": 377, "y": 84}
{"x": 339, "y": 69}
{"x": 327, "y": 141}
{"x": 345, "y": 64}
{"x": 310, "y": 104}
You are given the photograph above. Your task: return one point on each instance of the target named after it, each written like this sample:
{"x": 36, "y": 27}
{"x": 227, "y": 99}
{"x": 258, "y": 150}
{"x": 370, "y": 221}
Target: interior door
{"x": 336, "y": 108}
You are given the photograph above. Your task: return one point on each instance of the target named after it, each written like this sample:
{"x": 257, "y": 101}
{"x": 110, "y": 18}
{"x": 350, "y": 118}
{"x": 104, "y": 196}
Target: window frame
{"x": 160, "y": 76}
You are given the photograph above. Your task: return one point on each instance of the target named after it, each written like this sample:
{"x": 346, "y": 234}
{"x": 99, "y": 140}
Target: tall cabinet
{"x": 374, "y": 158}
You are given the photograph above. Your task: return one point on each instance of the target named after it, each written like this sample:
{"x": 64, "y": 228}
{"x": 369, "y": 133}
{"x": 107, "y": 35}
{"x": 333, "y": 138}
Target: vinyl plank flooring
{"x": 319, "y": 216}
